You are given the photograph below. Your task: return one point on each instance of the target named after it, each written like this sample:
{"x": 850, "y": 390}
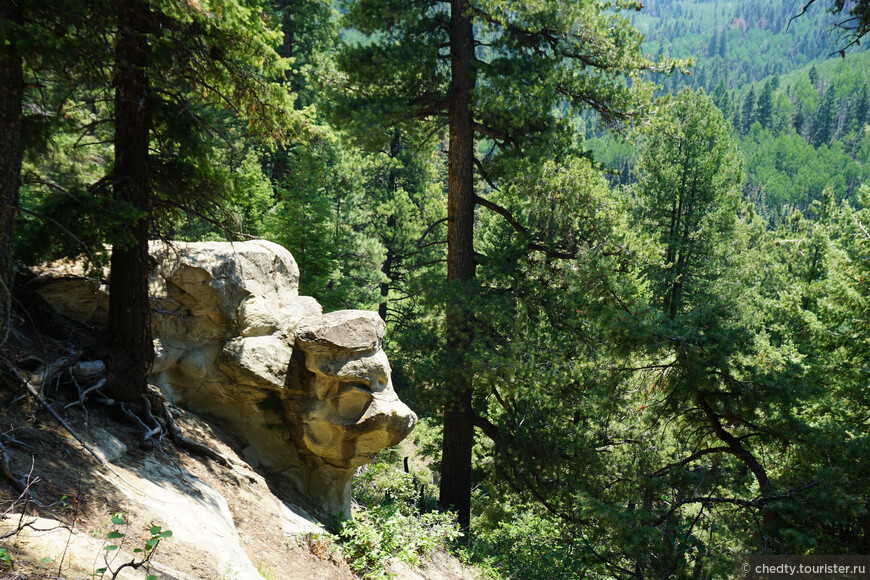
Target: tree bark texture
{"x": 11, "y": 95}
{"x": 387, "y": 268}
{"x": 129, "y": 309}
{"x": 458, "y": 416}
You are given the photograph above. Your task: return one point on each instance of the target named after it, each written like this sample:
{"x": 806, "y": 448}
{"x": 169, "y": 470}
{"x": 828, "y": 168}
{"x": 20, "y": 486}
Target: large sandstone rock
{"x": 308, "y": 393}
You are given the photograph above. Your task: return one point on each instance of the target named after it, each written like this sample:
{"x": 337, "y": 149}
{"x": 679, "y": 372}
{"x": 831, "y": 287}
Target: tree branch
{"x": 485, "y": 425}
{"x": 690, "y": 458}
{"x": 734, "y": 445}
{"x": 429, "y": 230}
{"x": 502, "y": 212}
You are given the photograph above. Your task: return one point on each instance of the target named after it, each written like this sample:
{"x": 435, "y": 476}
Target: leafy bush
{"x": 398, "y": 523}
{"x": 393, "y": 531}
{"x": 156, "y": 533}
{"x": 524, "y": 544}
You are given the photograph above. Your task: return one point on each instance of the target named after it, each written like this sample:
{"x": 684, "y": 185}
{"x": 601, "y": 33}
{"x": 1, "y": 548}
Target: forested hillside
{"x": 763, "y": 66}
{"x": 621, "y": 250}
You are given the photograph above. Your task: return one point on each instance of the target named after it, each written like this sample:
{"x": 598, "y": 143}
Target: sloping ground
{"x": 226, "y": 522}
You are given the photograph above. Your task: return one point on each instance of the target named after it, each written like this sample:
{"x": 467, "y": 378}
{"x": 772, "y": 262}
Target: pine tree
{"x": 129, "y": 306}
{"x": 690, "y": 201}
{"x": 826, "y": 117}
{"x": 764, "y": 107}
{"x": 691, "y": 204}
{"x": 171, "y": 65}
{"x": 713, "y": 47}
{"x": 747, "y": 111}
{"x": 309, "y": 35}
{"x": 814, "y": 77}
{"x": 38, "y": 42}
{"x": 722, "y": 99}
{"x": 859, "y": 109}
{"x": 11, "y": 101}
{"x": 798, "y": 120}
{"x": 498, "y": 72}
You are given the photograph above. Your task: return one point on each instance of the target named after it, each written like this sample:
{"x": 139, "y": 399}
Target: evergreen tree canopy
{"x": 690, "y": 201}
{"x": 508, "y": 78}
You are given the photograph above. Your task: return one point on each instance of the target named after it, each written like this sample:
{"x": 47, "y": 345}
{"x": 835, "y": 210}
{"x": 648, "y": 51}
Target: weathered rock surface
{"x": 308, "y": 393}
{"x": 225, "y": 522}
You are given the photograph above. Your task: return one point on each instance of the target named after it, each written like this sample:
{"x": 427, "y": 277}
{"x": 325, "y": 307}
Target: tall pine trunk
{"x": 11, "y": 95}
{"x": 129, "y": 314}
{"x": 458, "y": 418}
{"x": 390, "y": 259}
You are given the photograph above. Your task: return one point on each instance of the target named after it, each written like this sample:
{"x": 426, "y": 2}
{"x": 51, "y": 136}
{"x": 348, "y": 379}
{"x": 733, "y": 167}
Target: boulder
{"x": 309, "y": 394}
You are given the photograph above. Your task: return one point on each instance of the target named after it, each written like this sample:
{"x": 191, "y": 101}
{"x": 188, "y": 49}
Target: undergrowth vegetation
{"x": 399, "y": 520}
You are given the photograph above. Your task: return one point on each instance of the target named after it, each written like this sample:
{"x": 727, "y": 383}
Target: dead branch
{"x": 22, "y": 525}
{"x": 84, "y": 394}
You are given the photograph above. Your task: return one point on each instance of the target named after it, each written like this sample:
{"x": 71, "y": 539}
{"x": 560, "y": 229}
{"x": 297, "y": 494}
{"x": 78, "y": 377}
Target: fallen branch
{"x": 45, "y": 373}
{"x": 21, "y": 526}
{"x": 59, "y": 419}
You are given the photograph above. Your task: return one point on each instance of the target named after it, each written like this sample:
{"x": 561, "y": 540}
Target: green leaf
{"x": 151, "y": 577}
{"x": 154, "y": 530}
{"x": 46, "y": 560}
{"x": 110, "y": 548}
{"x": 101, "y": 570}
{"x": 114, "y": 535}
{"x": 149, "y": 544}
{"x": 166, "y": 534}
{"x": 137, "y": 550}
{"x": 118, "y": 520}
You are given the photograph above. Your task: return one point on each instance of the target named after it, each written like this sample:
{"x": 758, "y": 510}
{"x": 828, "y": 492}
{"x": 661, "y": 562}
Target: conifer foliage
{"x": 505, "y": 80}
{"x": 636, "y": 372}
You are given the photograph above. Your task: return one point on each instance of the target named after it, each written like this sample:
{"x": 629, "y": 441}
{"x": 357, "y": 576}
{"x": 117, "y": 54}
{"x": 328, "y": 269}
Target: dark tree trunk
{"x": 11, "y": 95}
{"x": 387, "y": 268}
{"x": 129, "y": 313}
{"x": 866, "y": 548}
{"x": 458, "y": 423}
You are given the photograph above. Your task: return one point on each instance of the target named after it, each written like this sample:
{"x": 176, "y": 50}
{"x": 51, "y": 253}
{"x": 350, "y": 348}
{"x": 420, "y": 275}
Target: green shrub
{"x": 394, "y": 530}
{"x": 526, "y": 545}
{"x": 399, "y": 521}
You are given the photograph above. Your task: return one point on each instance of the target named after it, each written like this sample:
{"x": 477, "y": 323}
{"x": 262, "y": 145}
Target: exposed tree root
{"x": 18, "y": 483}
{"x": 185, "y": 443}
{"x": 55, "y": 334}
